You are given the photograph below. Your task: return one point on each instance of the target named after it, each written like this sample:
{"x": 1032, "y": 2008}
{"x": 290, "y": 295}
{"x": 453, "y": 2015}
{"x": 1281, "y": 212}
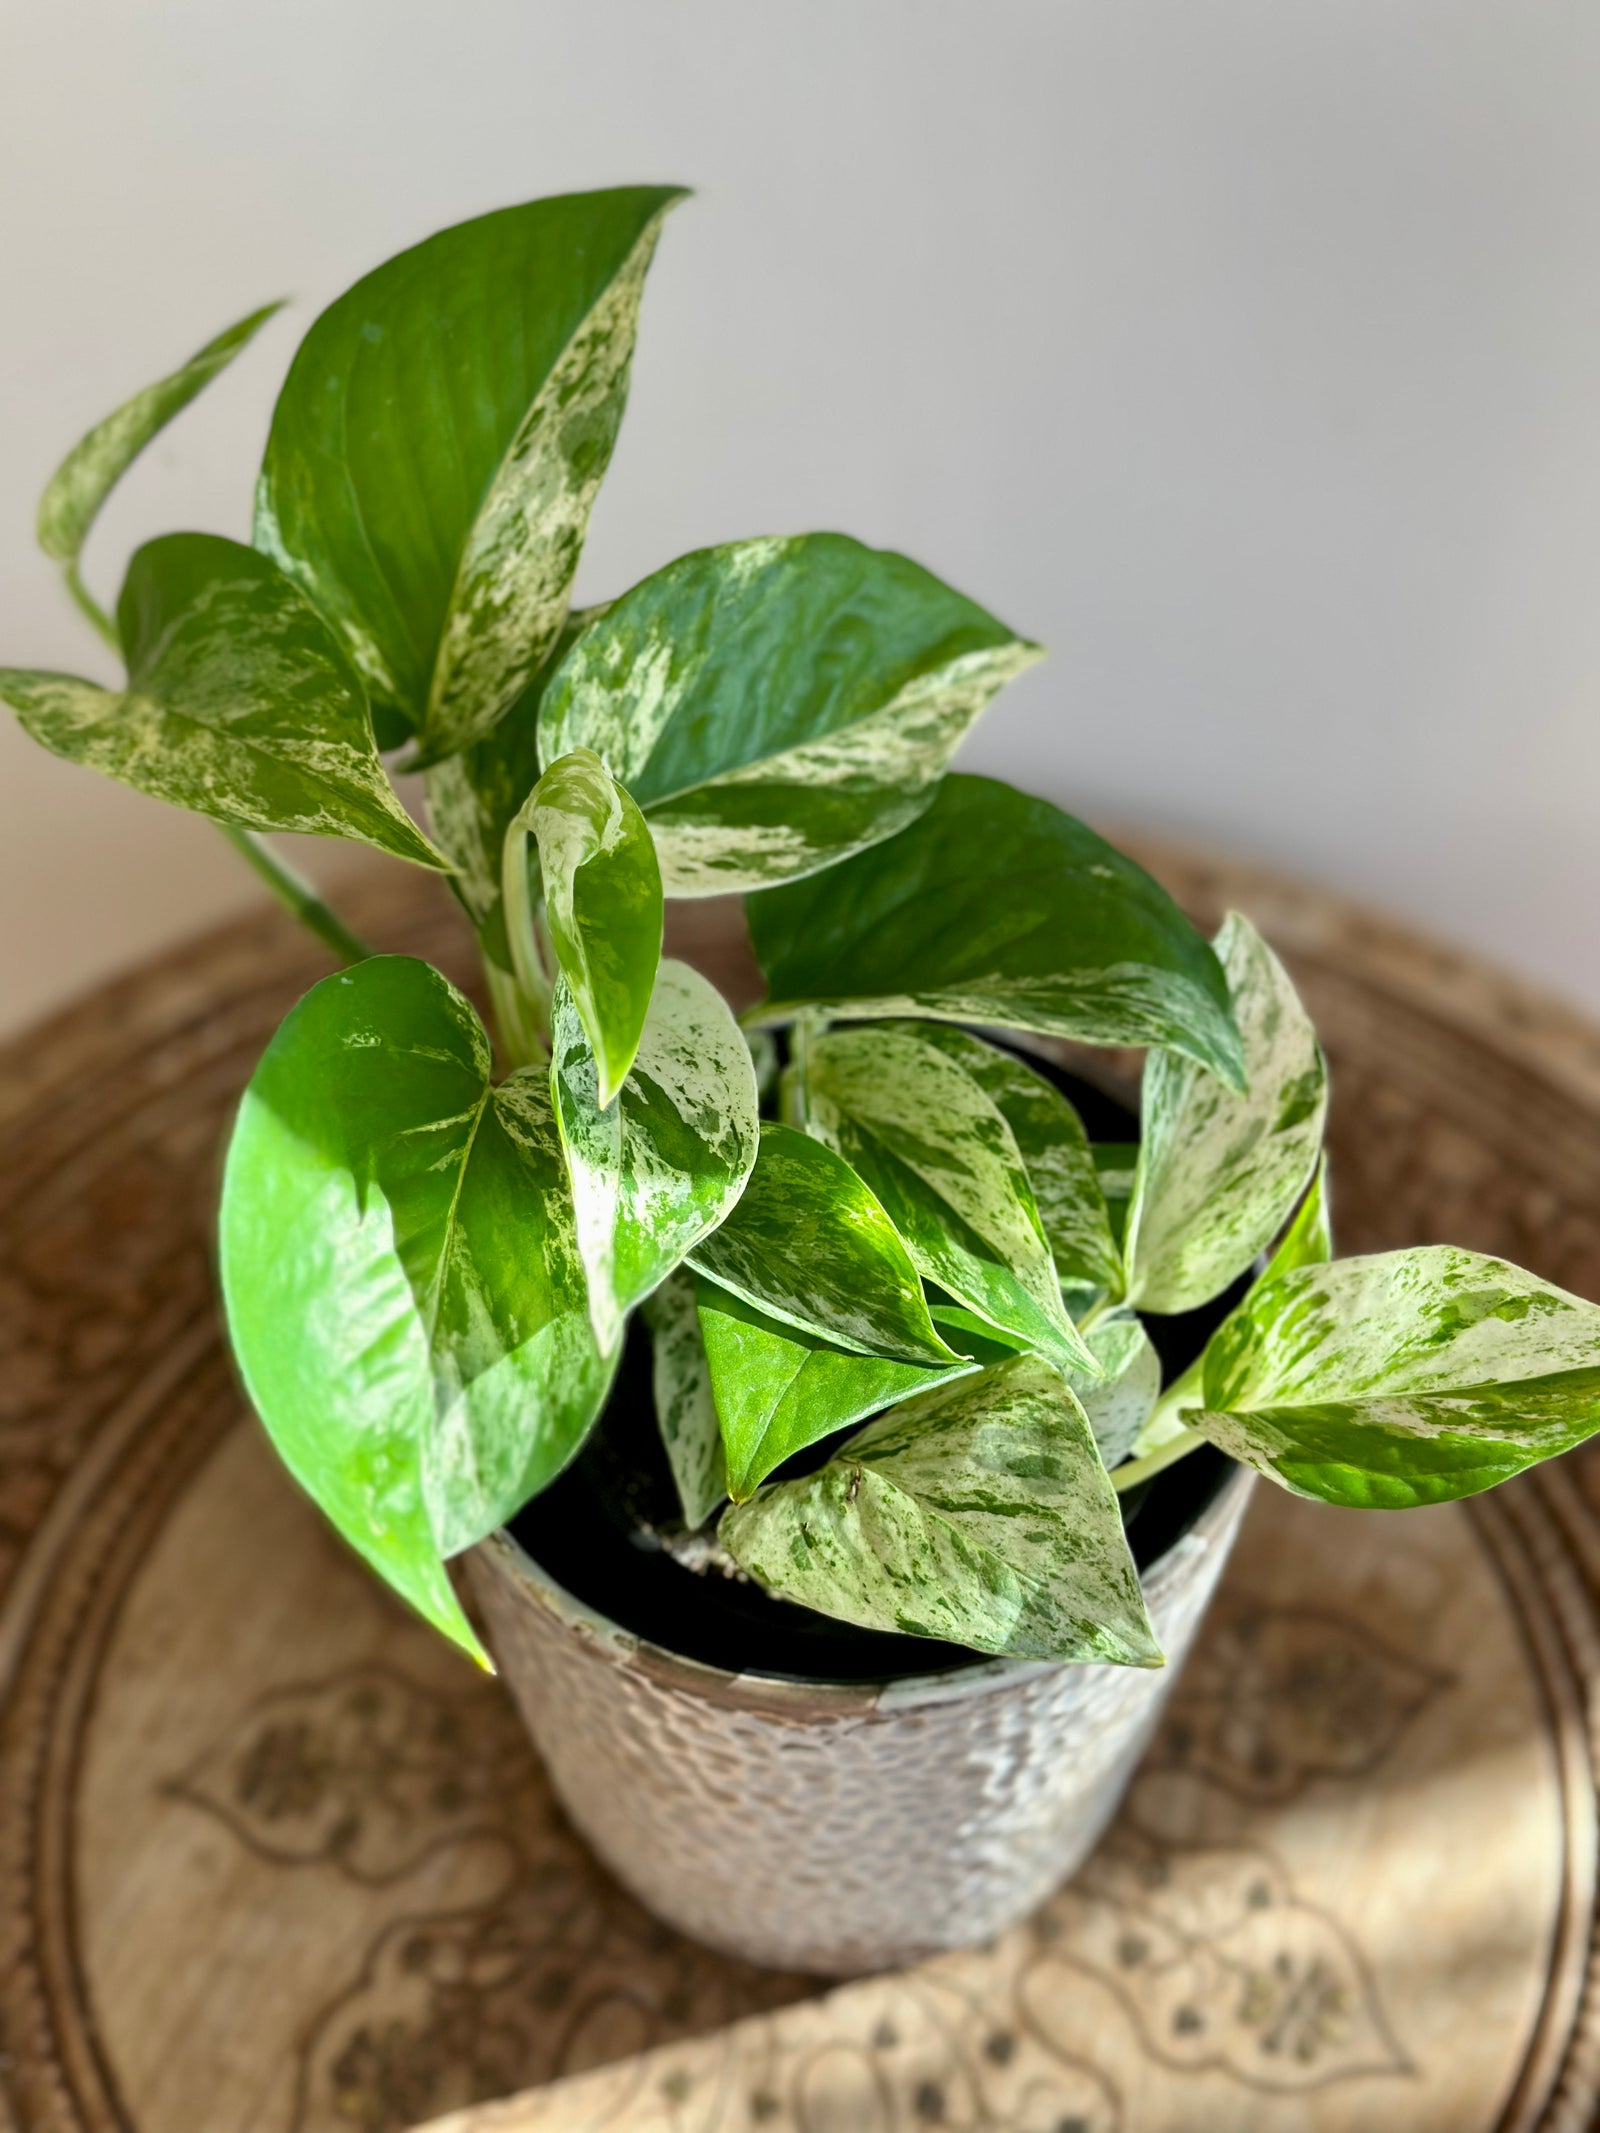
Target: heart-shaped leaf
{"x": 809, "y": 1246}
{"x": 944, "y": 1165}
{"x": 686, "y": 1414}
{"x": 1218, "y": 1173}
{"x": 438, "y": 443}
{"x": 402, "y": 1280}
{"x": 1055, "y": 1149}
{"x": 474, "y": 797}
{"x": 1407, "y": 1378}
{"x": 602, "y": 899}
{"x": 656, "y": 1171}
{"x": 776, "y": 705}
{"x": 776, "y": 1389}
{"x": 240, "y": 703}
{"x": 91, "y": 470}
{"x": 996, "y": 907}
{"x": 977, "y": 1512}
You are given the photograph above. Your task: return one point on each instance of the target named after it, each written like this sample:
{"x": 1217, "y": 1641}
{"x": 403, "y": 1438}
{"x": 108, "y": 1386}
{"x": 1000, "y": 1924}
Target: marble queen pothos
{"x": 903, "y": 1242}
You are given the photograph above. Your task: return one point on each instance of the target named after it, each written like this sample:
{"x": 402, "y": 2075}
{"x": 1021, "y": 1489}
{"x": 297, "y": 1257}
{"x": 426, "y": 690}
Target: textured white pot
{"x": 836, "y": 1828}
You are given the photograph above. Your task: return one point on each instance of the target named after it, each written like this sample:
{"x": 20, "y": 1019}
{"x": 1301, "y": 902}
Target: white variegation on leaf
{"x": 776, "y": 705}
{"x": 475, "y": 795}
{"x": 516, "y": 571}
{"x": 1217, "y": 1172}
{"x": 91, "y": 470}
{"x": 979, "y": 1512}
{"x": 656, "y": 1171}
{"x": 1053, "y": 1145}
{"x": 1118, "y": 1402}
{"x": 1405, "y": 1378}
{"x": 994, "y": 907}
{"x": 686, "y": 1413}
{"x": 945, "y": 1165}
{"x": 1307, "y": 1241}
{"x": 438, "y": 442}
{"x": 240, "y": 703}
{"x": 777, "y": 1390}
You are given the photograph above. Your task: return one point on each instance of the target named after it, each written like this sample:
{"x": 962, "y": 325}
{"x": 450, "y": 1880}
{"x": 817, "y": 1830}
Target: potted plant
{"x": 841, "y": 1408}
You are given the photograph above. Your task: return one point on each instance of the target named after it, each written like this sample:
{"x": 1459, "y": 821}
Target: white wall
{"x": 1248, "y": 353}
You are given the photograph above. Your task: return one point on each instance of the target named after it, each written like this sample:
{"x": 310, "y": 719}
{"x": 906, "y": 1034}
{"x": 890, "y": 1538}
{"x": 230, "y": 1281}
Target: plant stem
{"x": 517, "y": 1026}
{"x": 1179, "y": 1447}
{"x": 297, "y": 896}
{"x": 102, "y": 623}
{"x": 522, "y": 936}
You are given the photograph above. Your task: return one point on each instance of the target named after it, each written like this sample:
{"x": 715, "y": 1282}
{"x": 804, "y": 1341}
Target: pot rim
{"x": 792, "y": 1696}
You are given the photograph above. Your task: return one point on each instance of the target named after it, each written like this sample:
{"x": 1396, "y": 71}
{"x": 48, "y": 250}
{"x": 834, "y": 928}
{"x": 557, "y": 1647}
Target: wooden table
{"x": 273, "y": 1861}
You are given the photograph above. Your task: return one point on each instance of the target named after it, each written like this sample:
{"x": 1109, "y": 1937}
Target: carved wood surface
{"x": 272, "y": 1860}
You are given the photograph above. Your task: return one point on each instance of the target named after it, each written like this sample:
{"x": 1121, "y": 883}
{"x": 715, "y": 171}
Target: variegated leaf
{"x": 1217, "y": 1172}
{"x": 686, "y": 1413}
{"x": 777, "y": 1389}
{"x": 977, "y": 1512}
{"x": 944, "y": 1164}
{"x": 437, "y": 446}
{"x": 809, "y": 1246}
{"x": 1053, "y": 1145}
{"x": 1407, "y": 1378}
{"x": 655, "y": 1171}
{"x": 91, "y": 470}
{"x": 602, "y": 902}
{"x": 776, "y": 705}
{"x": 994, "y": 907}
{"x": 401, "y": 1275}
{"x": 1119, "y": 1402}
{"x": 1308, "y": 1241}
{"x": 474, "y": 796}
{"x": 240, "y": 703}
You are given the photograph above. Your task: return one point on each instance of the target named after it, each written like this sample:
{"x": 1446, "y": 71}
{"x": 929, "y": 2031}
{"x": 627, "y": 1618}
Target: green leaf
{"x": 686, "y": 1414}
{"x": 1115, "y": 1166}
{"x": 978, "y": 1512}
{"x": 1407, "y": 1378}
{"x": 239, "y": 703}
{"x": 91, "y": 470}
{"x": 1218, "y": 1173}
{"x": 657, "y": 1170}
{"x": 1053, "y": 1145}
{"x": 474, "y": 797}
{"x": 401, "y": 1277}
{"x": 810, "y": 1246}
{"x": 776, "y": 1389}
{"x": 1118, "y": 1403}
{"x": 997, "y": 908}
{"x": 1308, "y": 1241}
{"x": 602, "y": 894}
{"x": 775, "y": 705}
{"x": 944, "y": 1164}
{"x": 438, "y": 443}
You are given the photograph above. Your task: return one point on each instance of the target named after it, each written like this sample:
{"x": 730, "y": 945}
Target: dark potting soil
{"x": 595, "y": 1530}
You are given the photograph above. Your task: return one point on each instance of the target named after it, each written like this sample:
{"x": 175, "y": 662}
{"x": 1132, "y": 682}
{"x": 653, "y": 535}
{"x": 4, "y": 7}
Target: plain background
{"x": 1246, "y": 353}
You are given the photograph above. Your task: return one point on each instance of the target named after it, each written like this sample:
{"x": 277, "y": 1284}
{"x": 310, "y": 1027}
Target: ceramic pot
{"x": 836, "y": 1827}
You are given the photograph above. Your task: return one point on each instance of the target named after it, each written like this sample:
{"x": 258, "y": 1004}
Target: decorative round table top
{"x": 272, "y": 1860}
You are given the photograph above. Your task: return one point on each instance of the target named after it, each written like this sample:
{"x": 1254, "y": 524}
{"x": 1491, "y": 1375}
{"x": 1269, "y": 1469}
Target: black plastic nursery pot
{"x": 797, "y": 1791}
